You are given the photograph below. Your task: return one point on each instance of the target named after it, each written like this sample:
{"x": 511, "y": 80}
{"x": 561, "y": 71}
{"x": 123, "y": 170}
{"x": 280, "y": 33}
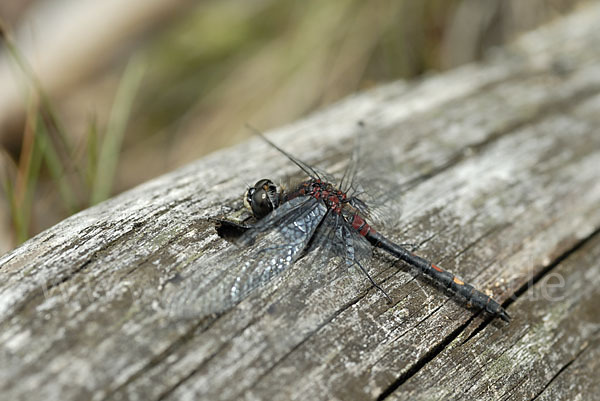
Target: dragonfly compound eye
{"x": 262, "y": 198}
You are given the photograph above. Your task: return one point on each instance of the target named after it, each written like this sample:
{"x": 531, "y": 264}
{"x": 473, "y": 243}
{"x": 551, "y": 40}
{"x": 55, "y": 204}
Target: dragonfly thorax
{"x": 333, "y": 197}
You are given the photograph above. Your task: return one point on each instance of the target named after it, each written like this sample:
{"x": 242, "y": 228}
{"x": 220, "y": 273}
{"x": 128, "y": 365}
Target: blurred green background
{"x": 101, "y": 96}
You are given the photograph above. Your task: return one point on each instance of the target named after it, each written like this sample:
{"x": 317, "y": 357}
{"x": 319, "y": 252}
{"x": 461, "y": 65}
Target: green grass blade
{"x": 56, "y": 168}
{"x": 111, "y": 145}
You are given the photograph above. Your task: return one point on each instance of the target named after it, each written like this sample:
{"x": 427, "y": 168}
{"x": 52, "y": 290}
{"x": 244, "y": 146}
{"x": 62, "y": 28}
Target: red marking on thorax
{"x": 333, "y": 197}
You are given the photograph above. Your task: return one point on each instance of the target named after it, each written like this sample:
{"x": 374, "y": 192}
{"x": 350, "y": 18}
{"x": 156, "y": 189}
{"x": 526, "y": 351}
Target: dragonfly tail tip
{"x": 504, "y": 316}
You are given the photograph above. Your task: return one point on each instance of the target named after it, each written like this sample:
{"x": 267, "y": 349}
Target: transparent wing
{"x": 270, "y": 247}
{"x": 368, "y": 184}
{"x": 337, "y": 237}
{"x": 378, "y": 199}
{"x": 284, "y": 215}
{"x": 276, "y": 249}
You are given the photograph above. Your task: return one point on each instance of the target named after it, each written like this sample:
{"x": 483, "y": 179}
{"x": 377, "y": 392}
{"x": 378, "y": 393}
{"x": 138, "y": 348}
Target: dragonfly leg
{"x": 373, "y": 281}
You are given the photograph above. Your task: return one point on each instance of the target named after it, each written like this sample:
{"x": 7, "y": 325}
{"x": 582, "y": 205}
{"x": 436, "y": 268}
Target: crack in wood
{"x": 557, "y": 261}
{"x": 423, "y": 361}
{"x": 194, "y": 371}
{"x": 565, "y": 367}
{"x": 304, "y": 340}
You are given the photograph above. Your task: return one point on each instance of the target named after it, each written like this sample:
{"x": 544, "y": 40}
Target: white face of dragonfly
{"x": 262, "y": 198}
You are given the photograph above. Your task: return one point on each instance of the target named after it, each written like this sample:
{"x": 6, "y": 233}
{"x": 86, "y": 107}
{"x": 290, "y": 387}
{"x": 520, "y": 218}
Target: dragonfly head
{"x": 262, "y": 198}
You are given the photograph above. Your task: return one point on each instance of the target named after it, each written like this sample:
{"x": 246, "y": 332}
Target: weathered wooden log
{"x": 501, "y": 165}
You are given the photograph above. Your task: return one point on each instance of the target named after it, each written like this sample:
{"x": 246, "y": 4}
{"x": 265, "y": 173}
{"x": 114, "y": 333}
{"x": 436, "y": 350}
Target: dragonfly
{"x": 317, "y": 215}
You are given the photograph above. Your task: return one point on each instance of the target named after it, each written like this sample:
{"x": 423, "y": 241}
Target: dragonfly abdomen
{"x": 360, "y": 225}
{"x": 473, "y": 296}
